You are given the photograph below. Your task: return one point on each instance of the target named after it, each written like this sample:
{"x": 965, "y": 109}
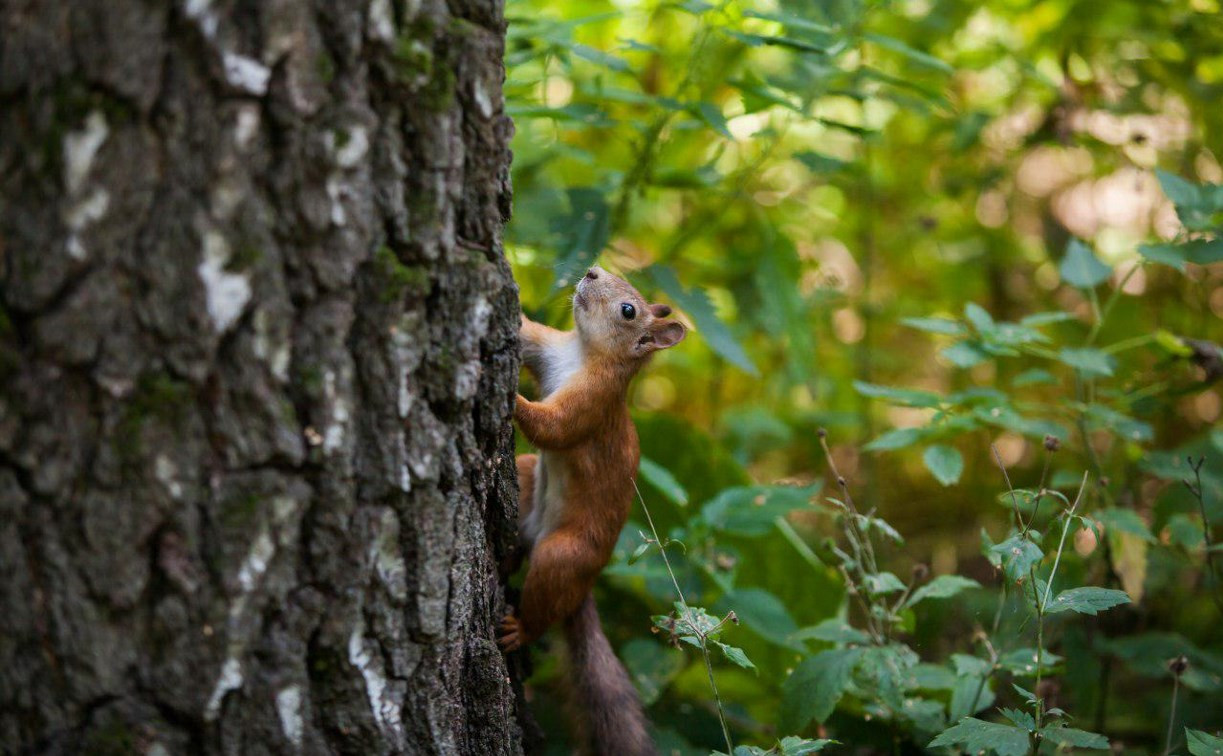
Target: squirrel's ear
{"x": 660, "y": 310}
{"x": 669, "y": 334}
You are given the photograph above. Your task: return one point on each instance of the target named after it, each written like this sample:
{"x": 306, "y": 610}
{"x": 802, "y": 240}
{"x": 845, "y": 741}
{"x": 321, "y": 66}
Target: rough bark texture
{"x": 257, "y": 364}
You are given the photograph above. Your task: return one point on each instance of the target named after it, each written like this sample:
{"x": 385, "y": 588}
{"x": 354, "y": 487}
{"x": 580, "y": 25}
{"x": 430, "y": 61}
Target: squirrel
{"x": 577, "y": 492}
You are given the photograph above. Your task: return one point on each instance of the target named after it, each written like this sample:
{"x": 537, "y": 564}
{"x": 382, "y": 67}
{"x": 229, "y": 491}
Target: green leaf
{"x": 695, "y": 302}
{"x": 978, "y": 736}
{"x": 585, "y": 232}
{"x": 1088, "y": 600}
{"x": 1068, "y": 736}
{"x": 1186, "y": 531}
{"x": 1033, "y": 377}
{"x": 979, "y": 317}
{"x": 753, "y": 510}
{"x": 965, "y": 354}
{"x": 1126, "y": 521}
{"x": 1021, "y": 719}
{"x": 917, "y": 56}
{"x": 897, "y": 438}
{"x": 1017, "y": 556}
{"x": 944, "y": 326}
{"x": 662, "y": 479}
{"x": 817, "y": 162}
{"x": 796, "y": 746}
{"x": 814, "y": 687}
{"x": 736, "y": 655}
{"x": 712, "y": 115}
{"x": 883, "y": 583}
{"x": 1038, "y": 319}
{"x": 944, "y": 462}
{"x": 1081, "y": 268}
{"x": 833, "y": 631}
{"x": 1088, "y": 361}
{"x": 1172, "y": 255}
{"x": 906, "y": 397}
{"x": 601, "y": 58}
{"x": 943, "y": 586}
{"x": 651, "y": 666}
{"x": 1196, "y": 204}
{"x": 1203, "y": 743}
{"x": 762, "y": 612}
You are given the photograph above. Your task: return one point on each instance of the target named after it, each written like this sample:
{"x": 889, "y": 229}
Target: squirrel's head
{"x": 612, "y": 316}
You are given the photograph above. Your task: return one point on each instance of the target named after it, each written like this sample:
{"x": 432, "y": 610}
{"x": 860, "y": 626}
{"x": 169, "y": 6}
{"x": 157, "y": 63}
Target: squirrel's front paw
{"x": 510, "y": 638}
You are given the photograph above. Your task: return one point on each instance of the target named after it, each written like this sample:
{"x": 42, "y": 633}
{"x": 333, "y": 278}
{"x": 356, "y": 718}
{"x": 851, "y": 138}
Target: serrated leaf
{"x": 1088, "y": 361}
{"x": 1017, "y": 556}
{"x": 1068, "y": 736}
{"x": 978, "y": 736}
{"x": 796, "y": 746}
{"x": 662, "y": 479}
{"x": 945, "y": 463}
{"x": 943, "y": 586}
{"x": 814, "y": 687}
{"x": 1087, "y": 600}
{"x": 695, "y": 302}
{"x": 1020, "y": 719}
{"x": 736, "y": 655}
{"x": 1203, "y": 743}
{"x": 1081, "y": 268}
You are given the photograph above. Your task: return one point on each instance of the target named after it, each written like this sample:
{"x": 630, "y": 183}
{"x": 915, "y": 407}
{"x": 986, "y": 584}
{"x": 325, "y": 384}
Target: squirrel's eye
{"x": 628, "y": 311}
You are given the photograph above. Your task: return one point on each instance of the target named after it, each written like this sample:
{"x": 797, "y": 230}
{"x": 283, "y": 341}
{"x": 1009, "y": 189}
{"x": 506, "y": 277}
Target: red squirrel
{"x": 575, "y": 495}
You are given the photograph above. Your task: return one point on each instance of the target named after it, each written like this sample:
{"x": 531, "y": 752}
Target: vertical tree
{"x": 257, "y": 363}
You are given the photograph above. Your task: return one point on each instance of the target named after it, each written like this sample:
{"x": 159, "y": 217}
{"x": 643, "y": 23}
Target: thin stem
{"x": 1199, "y": 494}
{"x": 1014, "y": 500}
{"x": 1102, "y": 316}
{"x": 1062, "y": 543}
{"x": 1176, "y": 684}
{"x": 700, "y": 634}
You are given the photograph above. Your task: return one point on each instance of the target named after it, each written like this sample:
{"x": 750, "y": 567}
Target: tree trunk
{"x": 257, "y": 363}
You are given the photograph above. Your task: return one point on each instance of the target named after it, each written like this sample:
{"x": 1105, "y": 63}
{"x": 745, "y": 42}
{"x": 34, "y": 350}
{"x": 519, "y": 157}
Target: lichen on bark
{"x": 257, "y": 365}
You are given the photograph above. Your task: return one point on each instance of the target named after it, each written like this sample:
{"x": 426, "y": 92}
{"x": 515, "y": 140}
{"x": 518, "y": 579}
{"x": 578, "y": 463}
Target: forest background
{"x": 974, "y": 248}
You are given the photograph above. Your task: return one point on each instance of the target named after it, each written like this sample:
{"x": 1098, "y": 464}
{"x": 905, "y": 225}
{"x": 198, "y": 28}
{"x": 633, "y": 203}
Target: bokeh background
{"x": 929, "y": 227}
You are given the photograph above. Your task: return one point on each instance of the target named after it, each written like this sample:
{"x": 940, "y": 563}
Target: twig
{"x": 700, "y": 634}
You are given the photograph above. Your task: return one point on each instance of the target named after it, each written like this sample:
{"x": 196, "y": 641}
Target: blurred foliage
{"x": 935, "y": 228}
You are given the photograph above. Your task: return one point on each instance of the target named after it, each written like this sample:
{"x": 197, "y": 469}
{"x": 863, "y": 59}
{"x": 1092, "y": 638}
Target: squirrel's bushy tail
{"x": 603, "y": 700}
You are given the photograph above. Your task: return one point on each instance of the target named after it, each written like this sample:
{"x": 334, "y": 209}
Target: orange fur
{"x": 578, "y": 492}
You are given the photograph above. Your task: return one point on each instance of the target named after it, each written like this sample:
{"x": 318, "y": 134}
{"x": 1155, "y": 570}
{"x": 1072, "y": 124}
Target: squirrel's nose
{"x": 591, "y": 274}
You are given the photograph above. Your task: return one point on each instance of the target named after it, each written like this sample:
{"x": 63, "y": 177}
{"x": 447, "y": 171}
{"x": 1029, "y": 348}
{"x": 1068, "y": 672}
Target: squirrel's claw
{"x": 511, "y": 633}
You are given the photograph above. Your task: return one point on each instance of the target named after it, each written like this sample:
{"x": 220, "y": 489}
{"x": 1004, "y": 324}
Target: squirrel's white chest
{"x": 549, "y": 502}
{"x": 560, "y": 362}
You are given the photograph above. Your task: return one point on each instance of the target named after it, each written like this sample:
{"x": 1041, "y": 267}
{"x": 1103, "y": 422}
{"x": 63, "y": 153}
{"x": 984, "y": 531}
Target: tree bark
{"x": 257, "y": 364}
